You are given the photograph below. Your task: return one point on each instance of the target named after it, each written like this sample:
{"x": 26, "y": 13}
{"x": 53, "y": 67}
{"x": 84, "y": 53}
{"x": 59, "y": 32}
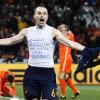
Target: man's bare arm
{"x": 15, "y": 39}
{"x": 58, "y": 35}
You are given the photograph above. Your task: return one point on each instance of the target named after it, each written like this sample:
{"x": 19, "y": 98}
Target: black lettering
{"x": 97, "y": 76}
{"x": 91, "y": 76}
{"x": 82, "y": 80}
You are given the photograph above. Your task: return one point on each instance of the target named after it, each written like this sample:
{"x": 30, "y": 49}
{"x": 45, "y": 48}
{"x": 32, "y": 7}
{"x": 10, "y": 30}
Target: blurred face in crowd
{"x": 41, "y": 16}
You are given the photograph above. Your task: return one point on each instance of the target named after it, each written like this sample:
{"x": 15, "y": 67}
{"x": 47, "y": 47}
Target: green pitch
{"x": 86, "y": 92}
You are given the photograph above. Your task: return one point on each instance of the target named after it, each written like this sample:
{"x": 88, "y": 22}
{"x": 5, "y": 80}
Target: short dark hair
{"x": 10, "y": 78}
{"x": 41, "y": 7}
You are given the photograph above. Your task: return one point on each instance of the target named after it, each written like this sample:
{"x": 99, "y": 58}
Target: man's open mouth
{"x": 41, "y": 20}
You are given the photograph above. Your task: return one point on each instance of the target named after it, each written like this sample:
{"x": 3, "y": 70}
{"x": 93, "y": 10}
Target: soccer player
{"x": 5, "y": 90}
{"x": 39, "y": 78}
{"x": 66, "y": 62}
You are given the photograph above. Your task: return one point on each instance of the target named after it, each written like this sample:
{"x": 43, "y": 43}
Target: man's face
{"x": 41, "y": 16}
{"x": 63, "y": 28}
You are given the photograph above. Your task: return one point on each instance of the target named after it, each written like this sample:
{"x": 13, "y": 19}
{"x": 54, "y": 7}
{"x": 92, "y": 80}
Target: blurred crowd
{"x": 82, "y": 16}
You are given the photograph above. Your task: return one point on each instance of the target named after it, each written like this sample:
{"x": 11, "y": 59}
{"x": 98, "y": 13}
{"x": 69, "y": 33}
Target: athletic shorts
{"x": 39, "y": 82}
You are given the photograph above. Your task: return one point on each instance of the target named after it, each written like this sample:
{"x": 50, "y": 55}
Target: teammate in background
{"x": 66, "y": 62}
{"x": 39, "y": 78}
{"x": 5, "y": 90}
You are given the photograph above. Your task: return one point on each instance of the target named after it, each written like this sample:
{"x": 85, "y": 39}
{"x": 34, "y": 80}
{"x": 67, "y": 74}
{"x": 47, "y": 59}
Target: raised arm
{"x": 15, "y": 39}
{"x": 62, "y": 39}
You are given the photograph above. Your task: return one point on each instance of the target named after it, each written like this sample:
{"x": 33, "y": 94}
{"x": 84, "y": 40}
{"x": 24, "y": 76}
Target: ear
{"x": 34, "y": 16}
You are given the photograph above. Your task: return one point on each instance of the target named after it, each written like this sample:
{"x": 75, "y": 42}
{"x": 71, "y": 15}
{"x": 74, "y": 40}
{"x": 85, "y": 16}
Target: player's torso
{"x": 41, "y": 46}
{"x": 64, "y": 50}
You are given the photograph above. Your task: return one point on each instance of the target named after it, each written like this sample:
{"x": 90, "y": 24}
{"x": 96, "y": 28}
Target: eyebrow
{"x": 43, "y": 11}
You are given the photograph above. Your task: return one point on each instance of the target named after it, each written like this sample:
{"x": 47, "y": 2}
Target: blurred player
{"x": 66, "y": 62}
{"x": 7, "y": 77}
{"x": 40, "y": 78}
{"x": 90, "y": 58}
